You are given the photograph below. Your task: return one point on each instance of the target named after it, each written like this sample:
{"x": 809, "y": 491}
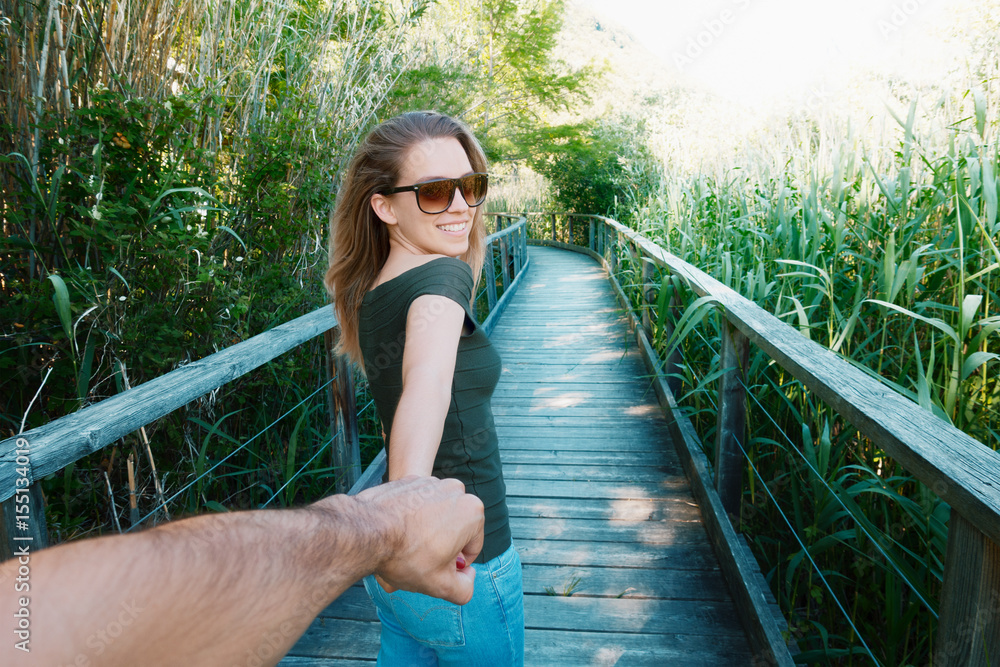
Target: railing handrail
{"x": 62, "y": 441}
{"x": 959, "y": 468}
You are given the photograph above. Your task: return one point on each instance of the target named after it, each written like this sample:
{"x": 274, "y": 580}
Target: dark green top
{"x": 469, "y": 450}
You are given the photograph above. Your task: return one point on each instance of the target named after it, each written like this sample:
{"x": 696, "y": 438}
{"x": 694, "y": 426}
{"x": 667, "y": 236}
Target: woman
{"x": 407, "y": 246}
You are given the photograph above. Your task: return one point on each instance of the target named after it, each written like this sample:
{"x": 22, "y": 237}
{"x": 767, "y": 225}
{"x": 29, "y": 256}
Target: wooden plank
{"x": 338, "y": 639}
{"x": 597, "y": 531}
{"x": 706, "y": 618}
{"x": 549, "y": 325}
{"x": 616, "y": 554}
{"x": 613, "y": 582}
{"x": 619, "y": 490}
{"x": 593, "y": 441}
{"x": 613, "y": 411}
{"x": 623, "y": 389}
{"x": 60, "y": 442}
{"x": 626, "y": 389}
{"x": 564, "y": 342}
{"x": 599, "y": 458}
{"x": 611, "y": 424}
{"x": 596, "y": 356}
{"x": 299, "y": 661}
{"x": 590, "y": 473}
{"x": 354, "y": 604}
{"x": 572, "y": 403}
{"x": 635, "y": 436}
{"x": 681, "y": 507}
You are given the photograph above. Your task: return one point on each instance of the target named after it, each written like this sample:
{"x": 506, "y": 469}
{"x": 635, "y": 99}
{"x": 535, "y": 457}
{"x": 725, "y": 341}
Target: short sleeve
{"x": 451, "y": 278}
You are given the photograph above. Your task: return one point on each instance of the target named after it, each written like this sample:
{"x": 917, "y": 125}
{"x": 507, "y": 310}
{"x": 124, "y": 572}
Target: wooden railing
{"x": 964, "y": 472}
{"x": 47, "y": 449}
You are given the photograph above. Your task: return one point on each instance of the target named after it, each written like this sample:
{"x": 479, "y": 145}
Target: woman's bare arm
{"x": 433, "y": 328}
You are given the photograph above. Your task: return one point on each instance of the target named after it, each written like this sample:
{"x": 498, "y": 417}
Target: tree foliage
{"x": 601, "y": 167}
{"x": 491, "y": 62}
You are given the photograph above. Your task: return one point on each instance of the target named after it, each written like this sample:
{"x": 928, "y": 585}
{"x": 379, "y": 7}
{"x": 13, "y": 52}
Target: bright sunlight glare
{"x": 764, "y": 52}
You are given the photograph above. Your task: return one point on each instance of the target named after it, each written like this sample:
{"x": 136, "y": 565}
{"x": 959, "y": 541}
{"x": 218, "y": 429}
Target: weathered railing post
{"x": 553, "y": 226}
{"x": 23, "y": 522}
{"x": 969, "y": 625}
{"x": 504, "y": 262}
{"x": 673, "y": 366}
{"x": 732, "y": 418}
{"x": 491, "y": 277}
{"x": 346, "y": 448}
{"x": 649, "y": 293}
{"x": 614, "y": 252}
{"x": 569, "y": 223}
{"x": 515, "y": 243}
{"x": 523, "y": 235}
{"x": 590, "y": 243}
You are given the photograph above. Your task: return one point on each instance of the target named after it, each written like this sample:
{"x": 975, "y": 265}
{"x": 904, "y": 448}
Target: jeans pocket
{"x": 428, "y": 620}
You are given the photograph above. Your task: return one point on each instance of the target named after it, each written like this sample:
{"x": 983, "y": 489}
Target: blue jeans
{"x": 489, "y": 630}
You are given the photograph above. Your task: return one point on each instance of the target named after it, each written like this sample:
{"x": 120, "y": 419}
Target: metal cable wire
{"x": 230, "y": 455}
{"x": 298, "y": 472}
{"x": 825, "y": 484}
{"x": 839, "y": 501}
{"x": 307, "y": 463}
{"x": 805, "y": 550}
{"x": 832, "y": 493}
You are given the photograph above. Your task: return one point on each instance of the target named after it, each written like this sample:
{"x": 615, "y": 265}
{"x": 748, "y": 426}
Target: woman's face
{"x": 411, "y": 229}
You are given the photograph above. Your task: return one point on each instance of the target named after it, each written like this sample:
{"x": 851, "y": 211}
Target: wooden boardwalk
{"x": 617, "y": 566}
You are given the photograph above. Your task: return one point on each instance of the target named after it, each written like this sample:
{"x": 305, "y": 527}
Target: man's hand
{"x": 430, "y": 523}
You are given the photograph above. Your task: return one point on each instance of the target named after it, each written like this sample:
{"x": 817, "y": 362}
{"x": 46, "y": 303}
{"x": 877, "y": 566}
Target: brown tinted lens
{"x": 474, "y": 189}
{"x": 436, "y": 196}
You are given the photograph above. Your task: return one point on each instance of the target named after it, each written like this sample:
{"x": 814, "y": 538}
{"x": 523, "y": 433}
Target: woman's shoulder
{"x": 429, "y": 268}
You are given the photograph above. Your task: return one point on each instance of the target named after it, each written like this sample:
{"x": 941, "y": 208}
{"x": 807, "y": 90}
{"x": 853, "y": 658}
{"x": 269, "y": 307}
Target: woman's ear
{"x": 383, "y": 209}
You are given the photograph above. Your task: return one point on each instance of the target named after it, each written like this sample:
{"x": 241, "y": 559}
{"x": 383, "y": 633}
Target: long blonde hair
{"x": 359, "y": 240}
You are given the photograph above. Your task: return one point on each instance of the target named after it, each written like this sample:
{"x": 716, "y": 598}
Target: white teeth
{"x": 453, "y": 228}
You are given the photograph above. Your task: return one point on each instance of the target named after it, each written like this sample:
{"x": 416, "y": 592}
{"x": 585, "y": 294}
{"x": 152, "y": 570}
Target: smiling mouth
{"x": 455, "y": 227}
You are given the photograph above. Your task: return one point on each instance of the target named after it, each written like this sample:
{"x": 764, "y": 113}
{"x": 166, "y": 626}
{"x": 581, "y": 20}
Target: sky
{"x": 758, "y": 51}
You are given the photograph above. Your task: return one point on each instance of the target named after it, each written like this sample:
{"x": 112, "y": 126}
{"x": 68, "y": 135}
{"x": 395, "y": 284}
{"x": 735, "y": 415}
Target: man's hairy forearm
{"x": 226, "y": 589}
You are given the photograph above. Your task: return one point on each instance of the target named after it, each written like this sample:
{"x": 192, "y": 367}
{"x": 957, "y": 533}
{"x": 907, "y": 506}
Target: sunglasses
{"x": 436, "y": 196}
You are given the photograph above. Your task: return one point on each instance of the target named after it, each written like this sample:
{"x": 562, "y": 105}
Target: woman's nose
{"x": 458, "y": 202}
